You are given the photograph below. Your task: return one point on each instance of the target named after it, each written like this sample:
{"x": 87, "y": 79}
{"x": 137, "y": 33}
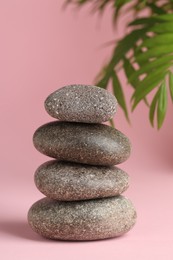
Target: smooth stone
{"x": 82, "y": 220}
{"x": 94, "y": 144}
{"x": 81, "y": 103}
{"x": 67, "y": 181}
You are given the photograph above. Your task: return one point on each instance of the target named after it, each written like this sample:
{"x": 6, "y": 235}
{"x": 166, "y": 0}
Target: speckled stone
{"x": 81, "y": 103}
{"x": 94, "y": 144}
{"x": 67, "y": 181}
{"x": 82, "y": 220}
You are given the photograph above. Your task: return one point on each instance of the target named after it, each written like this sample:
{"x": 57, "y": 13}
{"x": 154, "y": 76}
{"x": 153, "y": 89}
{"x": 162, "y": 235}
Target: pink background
{"x": 43, "y": 47}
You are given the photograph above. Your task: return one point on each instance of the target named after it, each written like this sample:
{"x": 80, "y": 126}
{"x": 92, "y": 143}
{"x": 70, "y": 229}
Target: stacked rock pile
{"x": 82, "y": 186}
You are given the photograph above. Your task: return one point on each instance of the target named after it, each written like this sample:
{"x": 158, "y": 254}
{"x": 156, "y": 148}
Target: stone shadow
{"x": 21, "y": 229}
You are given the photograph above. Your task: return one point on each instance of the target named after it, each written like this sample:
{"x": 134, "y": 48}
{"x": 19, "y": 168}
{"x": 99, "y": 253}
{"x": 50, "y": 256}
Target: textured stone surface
{"x": 73, "y": 181}
{"x": 82, "y": 220}
{"x": 95, "y": 144}
{"x": 81, "y": 103}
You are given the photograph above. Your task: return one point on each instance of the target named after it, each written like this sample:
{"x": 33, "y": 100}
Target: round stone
{"x": 81, "y": 103}
{"x": 67, "y": 181}
{"x": 82, "y": 220}
{"x": 94, "y": 144}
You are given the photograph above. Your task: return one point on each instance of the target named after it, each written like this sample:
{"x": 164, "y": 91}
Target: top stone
{"x": 81, "y": 103}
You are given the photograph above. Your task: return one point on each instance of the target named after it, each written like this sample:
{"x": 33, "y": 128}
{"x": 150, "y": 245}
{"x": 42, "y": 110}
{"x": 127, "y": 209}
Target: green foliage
{"x": 145, "y": 54}
{"x": 153, "y": 107}
{"x": 118, "y": 92}
{"x": 162, "y": 104}
{"x": 171, "y": 84}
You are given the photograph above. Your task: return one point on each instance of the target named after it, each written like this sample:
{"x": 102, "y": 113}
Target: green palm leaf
{"x": 163, "y": 28}
{"x": 118, "y": 92}
{"x": 156, "y": 9}
{"x": 129, "y": 70}
{"x": 153, "y": 108}
{"x": 118, "y": 4}
{"x": 162, "y": 105}
{"x": 171, "y": 84}
{"x": 149, "y": 44}
{"x": 163, "y": 18}
{"x": 126, "y": 45}
{"x": 148, "y": 84}
{"x": 120, "y": 50}
{"x": 155, "y": 52}
{"x": 161, "y": 39}
{"x": 149, "y": 66}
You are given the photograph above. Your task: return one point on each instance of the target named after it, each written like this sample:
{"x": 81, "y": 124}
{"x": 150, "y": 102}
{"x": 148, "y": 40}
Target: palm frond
{"x": 145, "y": 55}
{"x": 153, "y": 57}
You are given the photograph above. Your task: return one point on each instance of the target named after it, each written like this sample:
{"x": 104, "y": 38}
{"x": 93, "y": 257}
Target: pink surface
{"x": 42, "y": 48}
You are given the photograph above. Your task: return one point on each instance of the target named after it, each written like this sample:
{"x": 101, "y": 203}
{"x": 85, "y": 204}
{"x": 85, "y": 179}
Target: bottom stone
{"x": 82, "y": 220}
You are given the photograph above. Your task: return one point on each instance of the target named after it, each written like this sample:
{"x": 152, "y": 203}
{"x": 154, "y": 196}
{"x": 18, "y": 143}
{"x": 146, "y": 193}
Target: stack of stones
{"x": 82, "y": 186}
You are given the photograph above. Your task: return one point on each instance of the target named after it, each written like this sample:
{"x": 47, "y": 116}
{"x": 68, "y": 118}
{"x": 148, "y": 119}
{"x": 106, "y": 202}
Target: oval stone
{"x": 67, "y": 181}
{"x": 81, "y": 103}
{"x": 94, "y": 144}
{"x": 82, "y": 220}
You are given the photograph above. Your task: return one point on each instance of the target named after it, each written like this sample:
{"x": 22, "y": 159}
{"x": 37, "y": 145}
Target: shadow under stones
{"x": 22, "y": 230}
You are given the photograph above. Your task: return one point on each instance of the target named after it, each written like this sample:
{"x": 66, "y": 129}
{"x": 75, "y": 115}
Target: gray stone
{"x": 94, "y": 144}
{"x": 67, "y": 181}
{"x": 81, "y": 103}
{"x": 82, "y": 220}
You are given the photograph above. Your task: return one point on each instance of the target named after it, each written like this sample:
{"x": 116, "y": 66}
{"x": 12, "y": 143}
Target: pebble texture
{"x": 82, "y": 220}
{"x": 73, "y": 181}
{"x": 81, "y": 103}
{"x": 94, "y": 144}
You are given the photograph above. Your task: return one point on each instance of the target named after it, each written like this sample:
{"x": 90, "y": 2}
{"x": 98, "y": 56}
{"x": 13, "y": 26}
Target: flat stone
{"x": 81, "y": 103}
{"x": 94, "y": 144}
{"x": 67, "y": 181}
{"x": 82, "y": 220}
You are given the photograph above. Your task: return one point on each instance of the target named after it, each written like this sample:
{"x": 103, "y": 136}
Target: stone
{"x": 67, "y": 181}
{"x": 81, "y": 103}
{"x": 94, "y": 144}
{"x": 82, "y": 220}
